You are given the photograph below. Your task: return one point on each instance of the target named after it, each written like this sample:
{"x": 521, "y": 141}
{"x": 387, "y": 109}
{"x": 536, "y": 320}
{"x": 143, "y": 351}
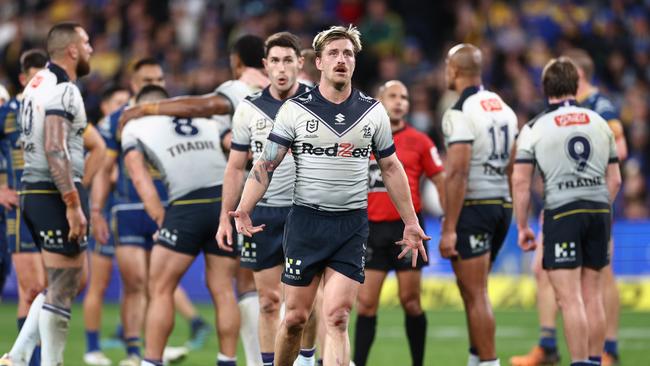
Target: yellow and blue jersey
{"x": 10, "y": 143}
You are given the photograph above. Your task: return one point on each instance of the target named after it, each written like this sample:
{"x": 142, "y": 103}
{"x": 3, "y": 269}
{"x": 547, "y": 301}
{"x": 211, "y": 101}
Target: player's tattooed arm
{"x": 56, "y": 151}
{"x": 271, "y": 158}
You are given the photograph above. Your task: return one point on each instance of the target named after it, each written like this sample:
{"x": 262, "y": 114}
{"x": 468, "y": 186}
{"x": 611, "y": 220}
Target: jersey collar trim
{"x": 61, "y": 75}
{"x": 566, "y": 103}
{"x": 466, "y": 93}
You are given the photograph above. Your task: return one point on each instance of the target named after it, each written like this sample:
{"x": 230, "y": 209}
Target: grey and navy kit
{"x": 251, "y": 125}
{"x": 51, "y": 93}
{"x": 572, "y": 147}
{"x": 483, "y": 120}
{"x": 188, "y": 154}
{"x": 331, "y": 145}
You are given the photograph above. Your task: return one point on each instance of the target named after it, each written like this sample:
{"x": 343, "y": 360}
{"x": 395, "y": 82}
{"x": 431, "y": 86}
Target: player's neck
{"x": 68, "y": 67}
{"x": 396, "y": 125}
{"x": 282, "y": 95}
{"x": 333, "y": 94}
{"x": 463, "y": 83}
{"x": 562, "y": 99}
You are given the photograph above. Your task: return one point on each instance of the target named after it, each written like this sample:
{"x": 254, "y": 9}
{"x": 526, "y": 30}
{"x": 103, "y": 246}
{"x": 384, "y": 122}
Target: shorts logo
{"x": 52, "y": 239}
{"x": 479, "y": 242}
{"x": 167, "y": 236}
{"x": 249, "y": 252}
{"x": 312, "y": 126}
{"x": 292, "y": 268}
{"x": 565, "y": 252}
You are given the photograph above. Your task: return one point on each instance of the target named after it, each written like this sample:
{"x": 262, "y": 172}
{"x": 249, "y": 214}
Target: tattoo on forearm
{"x": 56, "y": 153}
{"x": 62, "y": 286}
{"x": 269, "y": 161}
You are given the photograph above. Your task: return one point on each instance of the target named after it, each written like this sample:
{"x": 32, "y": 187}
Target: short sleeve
{"x": 241, "y": 133}
{"x": 613, "y": 152}
{"x": 129, "y": 138}
{"x": 457, "y": 127}
{"x": 65, "y": 102}
{"x": 233, "y": 90}
{"x": 382, "y": 139}
{"x": 429, "y": 157}
{"x": 284, "y": 127}
{"x": 606, "y": 109}
{"x": 525, "y": 149}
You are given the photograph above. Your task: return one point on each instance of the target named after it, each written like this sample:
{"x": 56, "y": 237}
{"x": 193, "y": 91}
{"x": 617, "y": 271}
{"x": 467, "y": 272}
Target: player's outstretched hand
{"x": 526, "y": 239}
{"x": 224, "y": 234}
{"x": 77, "y": 223}
{"x": 447, "y": 245}
{"x": 412, "y": 241}
{"x": 8, "y": 198}
{"x": 99, "y": 227}
{"x": 130, "y": 113}
{"x": 244, "y": 224}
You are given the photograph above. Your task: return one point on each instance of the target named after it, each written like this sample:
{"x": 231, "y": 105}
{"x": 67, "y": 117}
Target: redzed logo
{"x": 570, "y": 119}
{"x": 36, "y": 81}
{"x": 344, "y": 149}
{"x": 491, "y": 105}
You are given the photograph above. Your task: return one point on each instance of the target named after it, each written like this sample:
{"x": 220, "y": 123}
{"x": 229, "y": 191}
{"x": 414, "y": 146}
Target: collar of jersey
{"x": 61, "y": 75}
{"x": 566, "y": 103}
{"x": 342, "y": 104}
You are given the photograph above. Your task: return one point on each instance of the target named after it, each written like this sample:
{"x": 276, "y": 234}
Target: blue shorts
{"x": 19, "y": 239}
{"x": 5, "y": 257}
{"x": 482, "y": 227}
{"x": 108, "y": 249}
{"x": 132, "y": 226}
{"x": 316, "y": 239}
{"x": 264, "y": 249}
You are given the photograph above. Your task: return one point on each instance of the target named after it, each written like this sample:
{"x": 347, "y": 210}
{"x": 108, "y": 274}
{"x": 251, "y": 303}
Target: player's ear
{"x": 319, "y": 64}
{"x": 301, "y": 62}
{"x": 73, "y": 51}
{"x": 264, "y": 62}
{"x": 22, "y": 78}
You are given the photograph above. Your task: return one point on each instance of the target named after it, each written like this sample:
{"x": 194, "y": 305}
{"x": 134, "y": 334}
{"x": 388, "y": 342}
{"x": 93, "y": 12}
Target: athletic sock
{"x": 494, "y": 362}
{"x": 582, "y": 363}
{"x": 319, "y": 362}
{"x": 596, "y": 360}
{"x": 306, "y": 357}
{"x": 150, "y": 362}
{"x": 223, "y": 360}
{"x": 133, "y": 346}
{"x": 249, "y": 308}
{"x": 365, "y": 334}
{"x": 195, "y": 324}
{"x": 611, "y": 347}
{"x": 36, "y": 355}
{"x": 267, "y": 358}
{"x": 416, "y": 332}
{"x": 28, "y": 337}
{"x": 53, "y": 326}
{"x": 548, "y": 338}
{"x": 92, "y": 341}
{"x": 472, "y": 359}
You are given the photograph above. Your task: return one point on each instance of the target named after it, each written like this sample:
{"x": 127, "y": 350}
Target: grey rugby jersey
{"x": 251, "y": 126}
{"x": 331, "y": 145}
{"x": 186, "y": 151}
{"x": 481, "y": 118}
{"x": 572, "y": 148}
{"x": 50, "y": 92}
{"x": 234, "y": 91}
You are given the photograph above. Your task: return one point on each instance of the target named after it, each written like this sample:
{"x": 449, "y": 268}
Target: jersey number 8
{"x": 184, "y": 127}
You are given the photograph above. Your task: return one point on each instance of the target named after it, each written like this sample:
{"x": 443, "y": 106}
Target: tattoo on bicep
{"x": 56, "y": 152}
{"x": 63, "y": 284}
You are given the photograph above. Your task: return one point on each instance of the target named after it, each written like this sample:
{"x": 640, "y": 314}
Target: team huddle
{"x": 330, "y": 204}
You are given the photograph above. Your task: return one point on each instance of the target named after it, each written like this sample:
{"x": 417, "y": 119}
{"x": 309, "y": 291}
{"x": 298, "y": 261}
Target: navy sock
{"x": 547, "y": 338}
{"x": 595, "y": 359}
{"x": 226, "y": 363}
{"x": 155, "y": 362}
{"x": 133, "y": 346}
{"x": 319, "y": 362}
{"x": 267, "y": 358}
{"x": 307, "y": 352}
{"x": 92, "y": 341}
{"x": 582, "y": 363}
{"x": 196, "y": 323}
{"x": 473, "y": 351}
{"x": 119, "y": 332}
{"x": 611, "y": 346}
{"x": 20, "y": 322}
{"x": 363, "y": 338}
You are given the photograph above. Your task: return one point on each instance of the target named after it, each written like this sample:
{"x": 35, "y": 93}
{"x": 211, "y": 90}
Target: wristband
{"x": 71, "y": 199}
{"x": 150, "y": 109}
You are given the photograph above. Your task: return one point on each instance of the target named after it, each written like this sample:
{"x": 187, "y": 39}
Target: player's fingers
{"x": 425, "y": 237}
{"x": 256, "y": 229}
{"x": 414, "y": 257}
{"x": 233, "y": 214}
{"x": 423, "y": 252}
{"x": 403, "y": 253}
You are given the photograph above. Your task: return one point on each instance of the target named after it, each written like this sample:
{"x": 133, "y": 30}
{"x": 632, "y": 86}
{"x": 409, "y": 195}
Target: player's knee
{"x": 269, "y": 302}
{"x": 337, "y": 319}
{"x": 411, "y": 303}
{"x": 137, "y": 283}
{"x": 366, "y": 308}
{"x": 296, "y": 320}
{"x": 31, "y": 290}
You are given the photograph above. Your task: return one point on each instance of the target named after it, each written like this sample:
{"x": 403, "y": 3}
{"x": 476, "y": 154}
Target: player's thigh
{"x": 166, "y": 269}
{"x": 101, "y": 268}
{"x": 133, "y": 264}
{"x": 472, "y": 274}
{"x": 220, "y": 271}
{"x": 368, "y": 296}
{"x": 566, "y": 284}
{"x": 299, "y": 301}
{"x": 339, "y": 293}
{"x": 592, "y": 283}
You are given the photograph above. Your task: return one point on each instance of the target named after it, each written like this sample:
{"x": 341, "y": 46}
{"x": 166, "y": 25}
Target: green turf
{"x": 446, "y": 343}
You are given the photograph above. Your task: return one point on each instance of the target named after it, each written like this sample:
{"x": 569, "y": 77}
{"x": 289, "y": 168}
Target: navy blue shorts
{"x": 19, "y": 239}
{"x": 382, "y": 253}
{"x": 264, "y": 249}
{"x": 191, "y": 224}
{"x": 577, "y": 235}
{"x": 108, "y": 249}
{"x": 316, "y": 239}
{"x": 45, "y": 215}
{"x": 5, "y": 257}
{"x": 132, "y": 225}
{"x": 482, "y": 227}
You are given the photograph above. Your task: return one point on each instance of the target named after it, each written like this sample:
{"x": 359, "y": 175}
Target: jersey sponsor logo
{"x": 580, "y": 182}
{"x": 344, "y": 150}
{"x": 187, "y": 146}
{"x": 479, "y": 242}
{"x": 312, "y": 126}
{"x": 571, "y": 119}
{"x": 491, "y": 105}
{"x": 340, "y": 119}
{"x": 565, "y": 252}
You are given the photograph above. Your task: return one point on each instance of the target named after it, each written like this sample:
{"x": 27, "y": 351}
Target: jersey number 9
{"x": 579, "y": 149}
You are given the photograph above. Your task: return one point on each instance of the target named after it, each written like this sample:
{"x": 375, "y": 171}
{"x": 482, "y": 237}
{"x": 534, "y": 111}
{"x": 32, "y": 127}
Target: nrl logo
{"x": 312, "y": 126}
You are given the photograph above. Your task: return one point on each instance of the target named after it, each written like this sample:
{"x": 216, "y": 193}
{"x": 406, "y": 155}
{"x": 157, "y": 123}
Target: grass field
{"x": 446, "y": 343}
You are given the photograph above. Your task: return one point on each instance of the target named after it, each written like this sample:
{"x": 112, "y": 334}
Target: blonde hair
{"x": 337, "y": 32}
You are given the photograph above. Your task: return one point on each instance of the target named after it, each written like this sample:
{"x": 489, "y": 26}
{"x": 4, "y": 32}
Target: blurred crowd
{"x": 403, "y": 39}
